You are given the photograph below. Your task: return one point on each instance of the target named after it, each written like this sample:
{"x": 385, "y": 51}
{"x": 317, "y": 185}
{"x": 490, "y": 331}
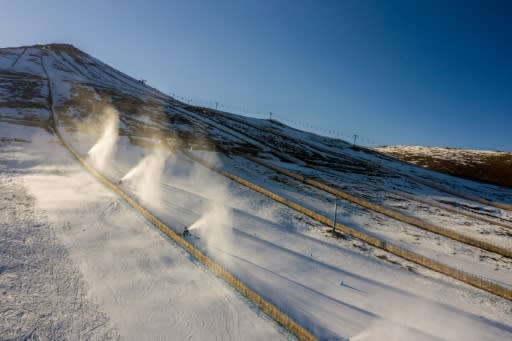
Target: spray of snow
{"x": 216, "y": 220}
{"x": 145, "y": 177}
{"x": 103, "y": 150}
{"x": 215, "y": 223}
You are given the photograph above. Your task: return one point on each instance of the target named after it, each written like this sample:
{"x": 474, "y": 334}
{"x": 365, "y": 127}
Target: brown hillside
{"x": 486, "y": 166}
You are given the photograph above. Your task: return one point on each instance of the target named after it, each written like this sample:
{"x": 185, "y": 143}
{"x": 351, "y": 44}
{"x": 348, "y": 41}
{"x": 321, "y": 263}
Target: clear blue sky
{"x": 394, "y": 72}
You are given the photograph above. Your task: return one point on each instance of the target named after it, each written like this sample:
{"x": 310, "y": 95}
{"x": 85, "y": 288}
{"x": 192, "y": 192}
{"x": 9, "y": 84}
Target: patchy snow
{"x": 29, "y": 62}
{"x": 437, "y": 151}
{"x": 25, "y": 113}
{"x": 8, "y": 57}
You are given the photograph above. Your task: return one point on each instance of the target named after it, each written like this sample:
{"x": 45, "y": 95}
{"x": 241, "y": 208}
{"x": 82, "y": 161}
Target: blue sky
{"x": 393, "y": 72}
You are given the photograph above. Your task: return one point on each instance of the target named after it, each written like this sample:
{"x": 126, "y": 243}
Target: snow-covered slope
{"x": 109, "y": 274}
{"x": 139, "y": 283}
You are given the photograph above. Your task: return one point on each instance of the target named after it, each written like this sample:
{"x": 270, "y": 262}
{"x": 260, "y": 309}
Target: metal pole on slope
{"x": 335, "y": 213}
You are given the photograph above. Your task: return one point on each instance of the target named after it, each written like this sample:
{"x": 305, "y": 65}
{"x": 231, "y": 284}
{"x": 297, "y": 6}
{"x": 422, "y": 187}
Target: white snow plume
{"x": 216, "y": 221}
{"x": 103, "y": 150}
{"x": 215, "y": 227}
{"x": 146, "y": 175}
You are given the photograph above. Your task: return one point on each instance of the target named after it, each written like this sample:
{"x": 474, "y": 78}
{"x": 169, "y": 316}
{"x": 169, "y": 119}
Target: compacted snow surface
{"x": 109, "y": 273}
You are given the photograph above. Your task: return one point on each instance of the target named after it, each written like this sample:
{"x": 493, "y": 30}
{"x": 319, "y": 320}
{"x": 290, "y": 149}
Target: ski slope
{"x": 144, "y": 286}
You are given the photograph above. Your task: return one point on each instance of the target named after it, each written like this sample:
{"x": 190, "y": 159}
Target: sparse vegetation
{"x": 491, "y": 167}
